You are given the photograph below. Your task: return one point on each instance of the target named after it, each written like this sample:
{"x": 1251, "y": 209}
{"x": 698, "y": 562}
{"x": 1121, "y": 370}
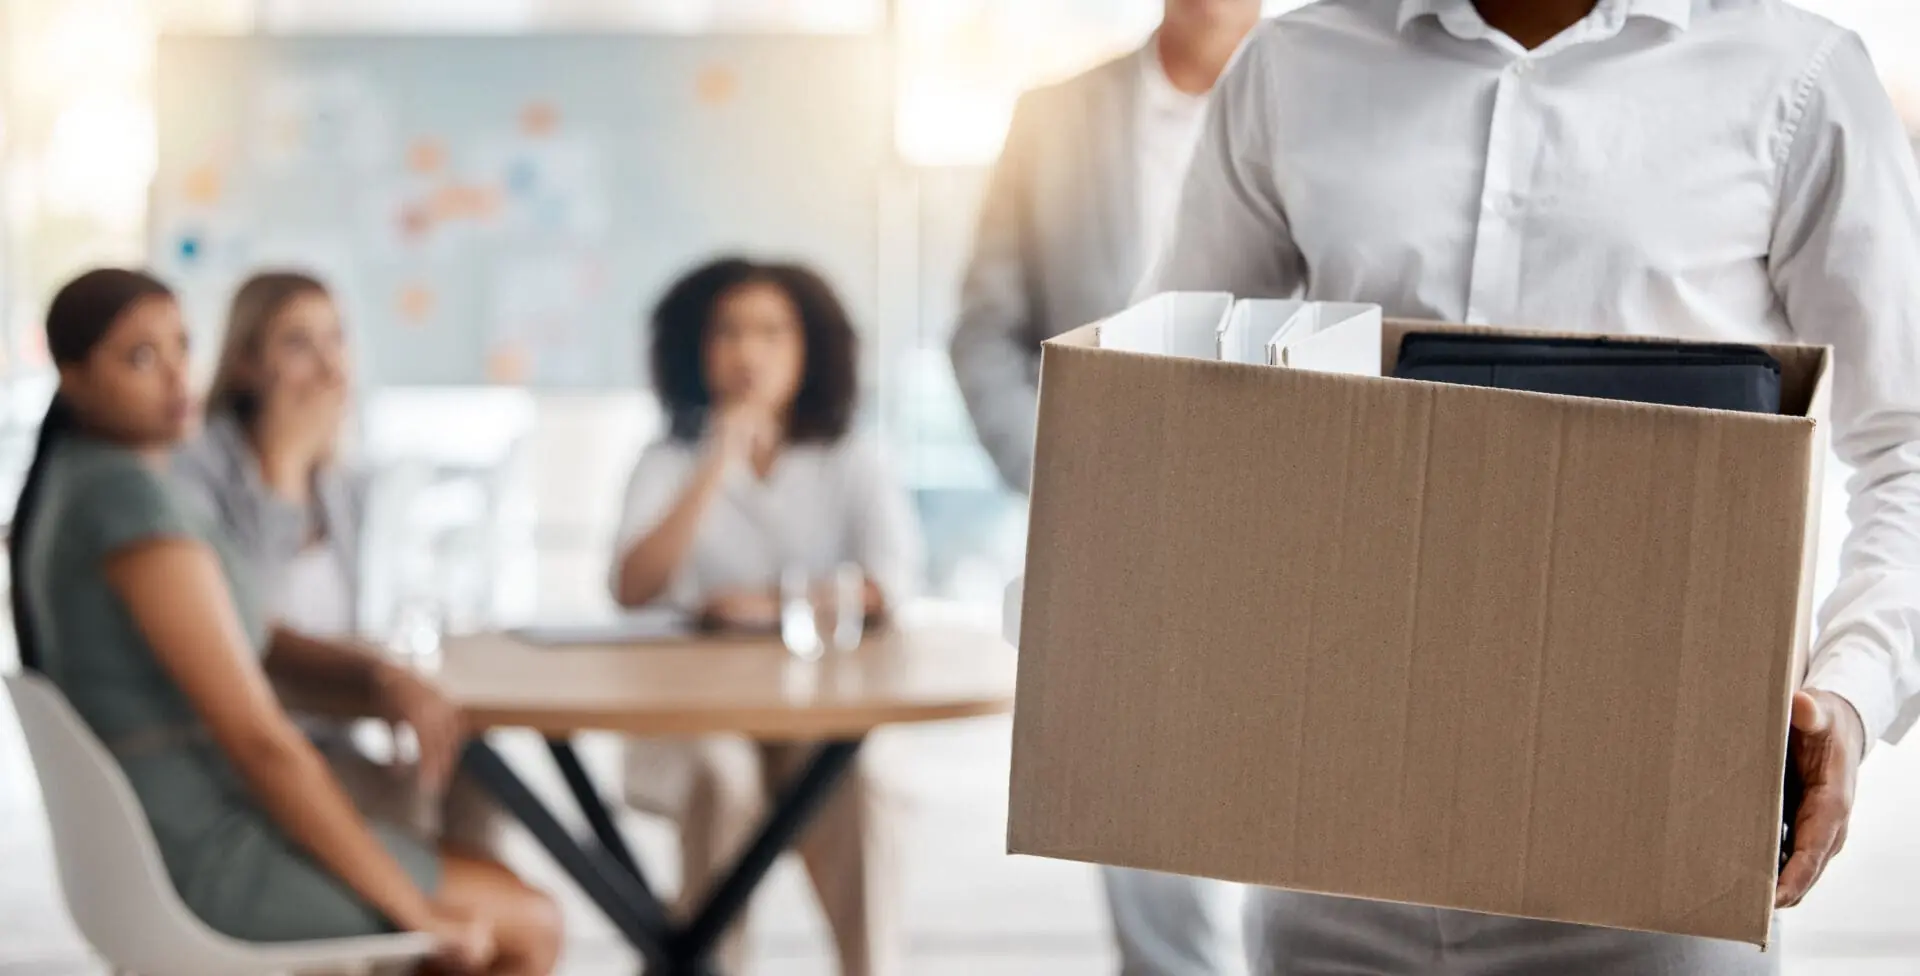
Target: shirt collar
{"x": 1451, "y": 13}
{"x": 1461, "y": 19}
{"x": 1679, "y": 13}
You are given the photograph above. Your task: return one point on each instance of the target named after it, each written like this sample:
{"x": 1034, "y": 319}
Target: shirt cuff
{"x": 1853, "y": 673}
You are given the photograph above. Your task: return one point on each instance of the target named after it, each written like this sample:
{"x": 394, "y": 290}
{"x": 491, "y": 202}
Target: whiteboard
{"x": 495, "y": 210}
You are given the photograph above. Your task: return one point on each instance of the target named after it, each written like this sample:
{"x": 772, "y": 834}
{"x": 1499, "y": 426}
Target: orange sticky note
{"x": 415, "y": 221}
{"x": 716, "y": 85}
{"x": 450, "y": 203}
{"x": 202, "y": 184}
{"x": 416, "y": 304}
{"x": 539, "y": 118}
{"x": 507, "y": 364}
{"x": 426, "y": 156}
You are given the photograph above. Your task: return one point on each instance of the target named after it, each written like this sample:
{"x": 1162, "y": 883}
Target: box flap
{"x": 1505, "y": 652}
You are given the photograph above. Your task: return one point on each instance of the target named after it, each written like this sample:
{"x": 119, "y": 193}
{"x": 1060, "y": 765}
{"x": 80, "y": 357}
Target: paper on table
{"x": 632, "y": 628}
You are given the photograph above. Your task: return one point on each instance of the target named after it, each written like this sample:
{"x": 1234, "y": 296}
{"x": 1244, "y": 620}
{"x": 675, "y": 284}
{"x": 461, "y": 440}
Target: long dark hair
{"x": 80, "y": 316}
{"x": 823, "y": 407}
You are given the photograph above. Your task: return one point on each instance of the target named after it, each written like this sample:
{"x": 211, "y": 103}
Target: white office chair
{"x": 116, "y": 886}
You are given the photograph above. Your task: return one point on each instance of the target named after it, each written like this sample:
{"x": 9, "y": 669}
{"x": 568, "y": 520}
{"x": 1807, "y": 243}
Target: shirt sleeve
{"x": 267, "y": 530}
{"x": 993, "y": 353}
{"x": 656, "y": 482}
{"x": 886, "y": 541}
{"x": 1231, "y": 233}
{"x": 1846, "y": 264}
{"x": 126, "y": 503}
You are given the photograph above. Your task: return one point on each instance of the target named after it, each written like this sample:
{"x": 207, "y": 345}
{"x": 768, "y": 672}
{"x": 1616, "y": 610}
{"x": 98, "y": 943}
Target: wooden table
{"x": 695, "y": 687}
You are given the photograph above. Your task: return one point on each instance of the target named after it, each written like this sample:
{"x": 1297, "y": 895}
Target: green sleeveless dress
{"x": 232, "y": 866}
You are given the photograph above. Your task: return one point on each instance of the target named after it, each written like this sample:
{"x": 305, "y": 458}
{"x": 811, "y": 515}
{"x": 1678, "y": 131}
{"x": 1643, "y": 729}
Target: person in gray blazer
{"x": 266, "y": 465}
{"x": 1080, "y": 202}
{"x": 1084, "y": 193}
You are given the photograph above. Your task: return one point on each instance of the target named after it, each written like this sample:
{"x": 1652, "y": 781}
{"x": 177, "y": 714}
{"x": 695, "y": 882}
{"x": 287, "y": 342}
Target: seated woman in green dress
{"x": 127, "y": 598}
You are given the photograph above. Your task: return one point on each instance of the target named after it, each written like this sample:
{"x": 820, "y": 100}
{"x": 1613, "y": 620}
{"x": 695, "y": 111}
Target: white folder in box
{"x": 1329, "y": 337}
{"x": 1176, "y": 323}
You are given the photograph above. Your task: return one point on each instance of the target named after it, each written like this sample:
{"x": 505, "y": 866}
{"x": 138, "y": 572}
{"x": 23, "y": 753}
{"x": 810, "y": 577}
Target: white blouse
{"x": 819, "y": 507}
{"x": 315, "y": 595}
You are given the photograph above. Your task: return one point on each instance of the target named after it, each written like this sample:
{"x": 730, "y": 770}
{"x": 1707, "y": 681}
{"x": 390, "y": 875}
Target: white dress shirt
{"x": 1722, "y": 169}
{"x": 822, "y": 505}
{"x": 1166, "y": 127}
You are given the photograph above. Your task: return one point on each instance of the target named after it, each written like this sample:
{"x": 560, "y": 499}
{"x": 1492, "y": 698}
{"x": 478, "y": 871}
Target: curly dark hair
{"x": 823, "y": 407}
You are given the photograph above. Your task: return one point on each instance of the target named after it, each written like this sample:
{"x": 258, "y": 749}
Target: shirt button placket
{"x": 1491, "y": 290}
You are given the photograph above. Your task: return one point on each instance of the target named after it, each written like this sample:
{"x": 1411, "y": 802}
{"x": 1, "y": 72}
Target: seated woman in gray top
{"x": 267, "y": 467}
{"x": 127, "y": 597}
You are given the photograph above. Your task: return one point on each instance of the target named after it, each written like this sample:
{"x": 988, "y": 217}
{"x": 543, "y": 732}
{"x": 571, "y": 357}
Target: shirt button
{"x": 1521, "y": 67}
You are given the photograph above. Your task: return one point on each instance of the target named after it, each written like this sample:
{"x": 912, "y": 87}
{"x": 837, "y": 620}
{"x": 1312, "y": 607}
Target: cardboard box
{"x": 1506, "y": 652}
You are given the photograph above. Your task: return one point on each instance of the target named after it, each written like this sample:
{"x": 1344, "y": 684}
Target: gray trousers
{"x": 1290, "y": 934}
{"x": 1169, "y": 925}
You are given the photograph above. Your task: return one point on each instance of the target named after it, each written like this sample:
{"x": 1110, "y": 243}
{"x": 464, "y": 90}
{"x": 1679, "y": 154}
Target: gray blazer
{"x": 1058, "y": 247}
{"x": 220, "y": 469}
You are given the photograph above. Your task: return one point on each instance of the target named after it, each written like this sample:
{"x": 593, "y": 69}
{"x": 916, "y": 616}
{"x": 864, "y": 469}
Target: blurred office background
{"x": 497, "y": 189}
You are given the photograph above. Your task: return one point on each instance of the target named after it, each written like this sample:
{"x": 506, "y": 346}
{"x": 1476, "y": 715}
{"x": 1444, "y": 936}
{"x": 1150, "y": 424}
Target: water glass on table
{"x": 818, "y": 612}
{"x": 419, "y": 624}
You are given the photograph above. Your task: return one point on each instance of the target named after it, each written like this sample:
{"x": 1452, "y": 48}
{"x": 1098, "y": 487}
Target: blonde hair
{"x": 259, "y": 299}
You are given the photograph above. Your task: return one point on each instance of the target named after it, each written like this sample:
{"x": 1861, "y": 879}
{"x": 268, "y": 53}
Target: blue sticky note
{"x": 521, "y": 178}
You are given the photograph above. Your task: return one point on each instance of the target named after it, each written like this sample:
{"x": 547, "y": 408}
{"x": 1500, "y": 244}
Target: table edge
{"x": 815, "y": 723}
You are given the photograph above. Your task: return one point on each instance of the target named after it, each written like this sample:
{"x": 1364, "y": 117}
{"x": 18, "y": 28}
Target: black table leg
{"x": 622, "y": 897}
{"x": 791, "y": 813}
{"x": 594, "y": 808}
{"x": 611, "y": 878}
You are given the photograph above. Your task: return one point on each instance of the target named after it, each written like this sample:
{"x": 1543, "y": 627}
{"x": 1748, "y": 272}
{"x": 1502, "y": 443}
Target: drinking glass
{"x": 799, "y": 625}
{"x": 418, "y": 624}
{"x": 846, "y": 595}
{"x": 824, "y": 611}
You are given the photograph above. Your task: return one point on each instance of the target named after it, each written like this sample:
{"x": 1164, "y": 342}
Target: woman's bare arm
{"x": 175, "y": 592}
{"x": 648, "y": 565}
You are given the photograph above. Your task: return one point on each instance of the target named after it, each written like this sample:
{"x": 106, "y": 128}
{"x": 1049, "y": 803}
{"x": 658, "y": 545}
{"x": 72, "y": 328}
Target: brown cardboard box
{"x": 1507, "y": 652}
